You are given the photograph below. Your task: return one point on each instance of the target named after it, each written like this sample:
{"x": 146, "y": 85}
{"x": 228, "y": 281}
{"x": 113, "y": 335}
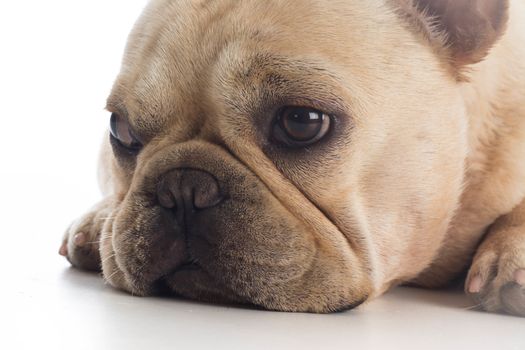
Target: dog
{"x": 307, "y": 155}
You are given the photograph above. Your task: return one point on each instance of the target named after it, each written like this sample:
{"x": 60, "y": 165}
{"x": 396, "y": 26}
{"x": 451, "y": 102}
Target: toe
{"x": 482, "y": 271}
{"x": 519, "y": 277}
{"x": 513, "y": 298}
{"x": 475, "y": 284}
{"x": 80, "y": 239}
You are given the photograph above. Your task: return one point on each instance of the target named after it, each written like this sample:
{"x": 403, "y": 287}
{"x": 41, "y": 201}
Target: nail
{"x": 519, "y": 277}
{"x": 475, "y": 285}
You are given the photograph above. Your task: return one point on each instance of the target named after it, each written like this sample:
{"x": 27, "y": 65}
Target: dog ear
{"x": 463, "y": 30}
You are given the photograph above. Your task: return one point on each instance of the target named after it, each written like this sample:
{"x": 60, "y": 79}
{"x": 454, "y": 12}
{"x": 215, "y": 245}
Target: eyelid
{"x": 123, "y": 113}
{"x": 122, "y": 133}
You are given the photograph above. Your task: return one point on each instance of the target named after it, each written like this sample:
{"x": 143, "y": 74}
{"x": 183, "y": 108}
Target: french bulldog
{"x": 308, "y": 155}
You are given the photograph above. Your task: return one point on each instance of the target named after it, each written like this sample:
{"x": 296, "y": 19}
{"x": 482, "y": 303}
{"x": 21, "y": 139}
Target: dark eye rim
{"x": 277, "y": 127}
{"x": 121, "y": 148}
{"x": 132, "y": 149}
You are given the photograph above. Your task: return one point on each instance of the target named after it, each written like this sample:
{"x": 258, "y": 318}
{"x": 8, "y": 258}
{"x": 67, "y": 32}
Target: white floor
{"x": 58, "y": 61}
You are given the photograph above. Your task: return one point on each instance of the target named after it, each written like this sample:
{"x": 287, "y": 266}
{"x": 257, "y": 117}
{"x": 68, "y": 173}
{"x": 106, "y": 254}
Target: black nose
{"x": 188, "y": 190}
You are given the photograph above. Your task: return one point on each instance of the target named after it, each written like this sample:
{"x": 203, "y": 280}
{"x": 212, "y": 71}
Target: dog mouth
{"x": 192, "y": 281}
{"x": 229, "y": 272}
{"x": 187, "y": 280}
{"x": 161, "y": 287}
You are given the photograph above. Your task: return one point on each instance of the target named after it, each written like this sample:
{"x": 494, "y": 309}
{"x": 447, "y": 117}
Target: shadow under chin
{"x": 191, "y": 281}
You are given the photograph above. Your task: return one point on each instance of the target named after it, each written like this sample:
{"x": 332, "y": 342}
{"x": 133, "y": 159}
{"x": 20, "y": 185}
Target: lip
{"x": 161, "y": 286}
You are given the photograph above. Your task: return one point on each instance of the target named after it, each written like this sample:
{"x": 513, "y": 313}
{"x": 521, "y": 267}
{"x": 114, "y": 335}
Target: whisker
{"x": 107, "y": 258}
{"x": 104, "y": 239}
{"x": 108, "y": 217}
{"x": 110, "y": 276}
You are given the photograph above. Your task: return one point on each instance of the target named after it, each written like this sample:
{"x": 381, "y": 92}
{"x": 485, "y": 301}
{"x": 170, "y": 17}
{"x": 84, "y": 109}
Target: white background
{"x": 58, "y": 60}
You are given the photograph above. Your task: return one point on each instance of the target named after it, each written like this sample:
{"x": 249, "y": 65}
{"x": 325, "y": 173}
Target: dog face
{"x": 297, "y": 155}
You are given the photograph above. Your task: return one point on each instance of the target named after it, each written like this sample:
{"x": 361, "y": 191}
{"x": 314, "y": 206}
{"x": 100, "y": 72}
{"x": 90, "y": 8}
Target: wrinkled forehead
{"x": 179, "y": 48}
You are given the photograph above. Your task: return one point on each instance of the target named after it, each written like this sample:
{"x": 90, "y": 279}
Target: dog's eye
{"x": 121, "y": 132}
{"x": 300, "y": 126}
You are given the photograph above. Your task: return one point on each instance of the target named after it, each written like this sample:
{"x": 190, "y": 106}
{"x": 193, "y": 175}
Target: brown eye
{"x": 301, "y": 125}
{"x": 121, "y": 132}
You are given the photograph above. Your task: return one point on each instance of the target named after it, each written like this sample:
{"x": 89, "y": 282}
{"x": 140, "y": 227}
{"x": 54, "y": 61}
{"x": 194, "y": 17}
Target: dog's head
{"x": 297, "y": 155}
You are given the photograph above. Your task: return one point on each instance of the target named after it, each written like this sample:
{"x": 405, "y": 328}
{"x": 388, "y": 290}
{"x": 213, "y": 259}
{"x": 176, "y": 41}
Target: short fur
{"x": 425, "y": 160}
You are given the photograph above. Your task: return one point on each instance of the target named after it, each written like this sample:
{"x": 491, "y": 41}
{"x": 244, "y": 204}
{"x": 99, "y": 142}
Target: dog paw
{"x": 496, "y": 280}
{"x": 81, "y": 242}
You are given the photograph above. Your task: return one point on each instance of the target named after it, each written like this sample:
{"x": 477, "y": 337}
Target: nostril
{"x": 165, "y": 193}
{"x": 200, "y": 189}
{"x": 189, "y": 189}
{"x": 206, "y": 201}
{"x": 206, "y": 196}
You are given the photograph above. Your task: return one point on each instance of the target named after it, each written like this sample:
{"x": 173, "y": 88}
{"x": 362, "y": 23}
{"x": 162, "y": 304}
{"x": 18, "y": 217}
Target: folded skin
{"x": 258, "y": 157}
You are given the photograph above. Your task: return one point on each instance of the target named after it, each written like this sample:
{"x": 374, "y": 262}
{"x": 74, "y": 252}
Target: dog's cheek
{"x": 263, "y": 254}
{"x": 251, "y": 240}
{"x": 110, "y": 269}
{"x": 149, "y": 244}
